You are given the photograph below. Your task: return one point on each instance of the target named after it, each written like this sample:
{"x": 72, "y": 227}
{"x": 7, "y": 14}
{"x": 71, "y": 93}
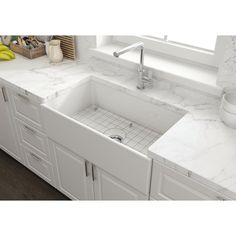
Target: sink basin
{"x": 109, "y": 127}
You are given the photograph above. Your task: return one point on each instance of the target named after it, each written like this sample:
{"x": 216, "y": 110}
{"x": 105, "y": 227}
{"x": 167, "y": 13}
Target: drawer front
{"x": 167, "y": 184}
{"x": 31, "y": 136}
{"x": 38, "y": 165}
{"x": 27, "y": 110}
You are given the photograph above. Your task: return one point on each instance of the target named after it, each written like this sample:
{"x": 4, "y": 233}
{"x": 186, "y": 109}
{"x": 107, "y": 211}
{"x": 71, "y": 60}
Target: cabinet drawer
{"x": 31, "y": 136}
{"x": 38, "y": 165}
{"x": 168, "y": 184}
{"x": 27, "y": 110}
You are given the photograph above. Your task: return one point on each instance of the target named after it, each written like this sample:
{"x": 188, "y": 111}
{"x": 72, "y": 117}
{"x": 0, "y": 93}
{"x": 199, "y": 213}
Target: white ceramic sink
{"x": 86, "y": 117}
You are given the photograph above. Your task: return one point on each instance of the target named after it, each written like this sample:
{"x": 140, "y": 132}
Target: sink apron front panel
{"x": 126, "y": 164}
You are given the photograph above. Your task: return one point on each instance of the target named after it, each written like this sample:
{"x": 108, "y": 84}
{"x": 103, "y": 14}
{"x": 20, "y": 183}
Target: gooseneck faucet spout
{"x": 142, "y": 79}
{"x": 129, "y": 48}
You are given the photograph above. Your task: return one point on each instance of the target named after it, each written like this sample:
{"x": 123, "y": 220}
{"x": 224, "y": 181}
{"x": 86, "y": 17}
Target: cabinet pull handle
{"x": 23, "y": 97}
{"x": 29, "y": 129}
{"x": 35, "y": 157}
{"x": 4, "y": 94}
{"x": 93, "y": 177}
{"x": 86, "y": 170}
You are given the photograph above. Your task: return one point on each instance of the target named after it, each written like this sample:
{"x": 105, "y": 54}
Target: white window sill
{"x": 194, "y": 76}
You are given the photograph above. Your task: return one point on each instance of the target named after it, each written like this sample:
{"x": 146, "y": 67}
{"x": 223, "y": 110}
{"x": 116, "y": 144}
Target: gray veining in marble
{"x": 199, "y": 145}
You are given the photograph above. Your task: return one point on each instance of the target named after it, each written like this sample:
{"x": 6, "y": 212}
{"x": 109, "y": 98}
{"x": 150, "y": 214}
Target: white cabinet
{"x": 107, "y": 187}
{"x": 80, "y": 179}
{"x": 72, "y": 174}
{"x": 7, "y": 133}
{"x": 167, "y": 184}
{"x": 33, "y": 143}
{"x": 32, "y": 138}
{"x": 38, "y": 164}
{"x": 26, "y": 109}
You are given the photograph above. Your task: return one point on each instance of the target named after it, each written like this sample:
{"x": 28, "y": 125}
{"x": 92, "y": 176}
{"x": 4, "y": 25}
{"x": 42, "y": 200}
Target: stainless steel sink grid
{"x": 131, "y": 134}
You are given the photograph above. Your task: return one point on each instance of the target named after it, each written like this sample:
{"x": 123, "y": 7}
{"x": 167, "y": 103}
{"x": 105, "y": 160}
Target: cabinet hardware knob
{"x": 23, "y": 97}
{"x": 29, "y": 129}
{"x": 35, "y": 157}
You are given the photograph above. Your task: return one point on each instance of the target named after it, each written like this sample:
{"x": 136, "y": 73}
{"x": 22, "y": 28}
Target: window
{"x": 205, "y": 43}
{"x": 205, "y": 50}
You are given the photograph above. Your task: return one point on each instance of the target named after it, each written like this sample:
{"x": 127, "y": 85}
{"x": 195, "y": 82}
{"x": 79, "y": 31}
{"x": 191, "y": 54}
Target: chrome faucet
{"x": 143, "y": 80}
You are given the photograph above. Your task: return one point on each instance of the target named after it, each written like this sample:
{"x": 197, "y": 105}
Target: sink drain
{"x": 117, "y": 138}
{"x": 116, "y": 134}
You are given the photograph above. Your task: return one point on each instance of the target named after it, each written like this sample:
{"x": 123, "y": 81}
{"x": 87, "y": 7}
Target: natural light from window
{"x": 203, "y": 42}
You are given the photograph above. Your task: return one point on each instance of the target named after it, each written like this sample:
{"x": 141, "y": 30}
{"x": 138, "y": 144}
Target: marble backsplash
{"x": 109, "y": 68}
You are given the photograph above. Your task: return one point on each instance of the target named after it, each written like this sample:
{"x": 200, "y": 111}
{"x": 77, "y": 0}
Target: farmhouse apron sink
{"x": 106, "y": 125}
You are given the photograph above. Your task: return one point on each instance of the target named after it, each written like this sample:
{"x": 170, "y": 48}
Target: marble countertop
{"x": 199, "y": 145}
{"x": 40, "y": 79}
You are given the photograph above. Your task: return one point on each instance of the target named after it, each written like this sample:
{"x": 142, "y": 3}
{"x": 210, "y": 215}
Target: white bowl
{"x": 228, "y": 102}
{"x": 228, "y": 118}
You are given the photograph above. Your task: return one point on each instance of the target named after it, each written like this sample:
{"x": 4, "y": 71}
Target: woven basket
{"x": 29, "y": 53}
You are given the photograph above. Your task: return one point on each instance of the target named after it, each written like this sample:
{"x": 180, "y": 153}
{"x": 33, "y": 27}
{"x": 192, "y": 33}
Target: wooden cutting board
{"x": 67, "y": 46}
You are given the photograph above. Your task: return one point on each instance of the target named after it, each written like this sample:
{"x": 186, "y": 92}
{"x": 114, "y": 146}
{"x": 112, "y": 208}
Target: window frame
{"x": 178, "y": 50}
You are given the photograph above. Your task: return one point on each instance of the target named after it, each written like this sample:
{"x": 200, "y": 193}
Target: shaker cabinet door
{"x": 72, "y": 172}
{"x": 107, "y": 187}
{"x": 167, "y": 184}
{"x": 7, "y": 135}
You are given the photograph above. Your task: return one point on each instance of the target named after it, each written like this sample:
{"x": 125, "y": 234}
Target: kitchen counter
{"x": 199, "y": 146}
{"x": 40, "y": 79}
